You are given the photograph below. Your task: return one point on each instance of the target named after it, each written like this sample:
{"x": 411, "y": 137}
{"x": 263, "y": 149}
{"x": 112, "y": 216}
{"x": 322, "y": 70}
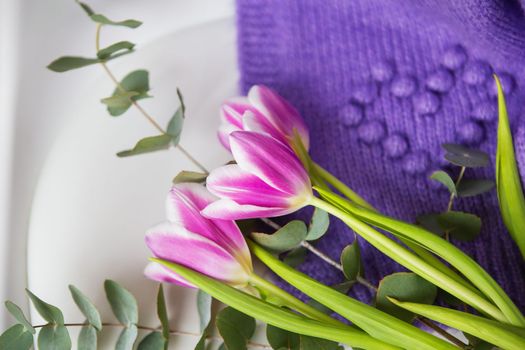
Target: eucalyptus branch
{"x": 452, "y": 196}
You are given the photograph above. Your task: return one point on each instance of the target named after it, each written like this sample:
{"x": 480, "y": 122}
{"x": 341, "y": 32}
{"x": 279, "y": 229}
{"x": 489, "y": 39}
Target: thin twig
{"x": 442, "y": 332}
{"x": 452, "y": 196}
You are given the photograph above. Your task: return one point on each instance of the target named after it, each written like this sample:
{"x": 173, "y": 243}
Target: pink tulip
{"x": 262, "y": 111}
{"x": 268, "y": 180}
{"x": 210, "y": 246}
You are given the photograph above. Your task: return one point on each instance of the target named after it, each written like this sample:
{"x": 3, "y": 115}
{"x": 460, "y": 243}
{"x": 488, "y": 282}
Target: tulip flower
{"x": 262, "y": 111}
{"x": 268, "y": 180}
{"x": 210, "y": 246}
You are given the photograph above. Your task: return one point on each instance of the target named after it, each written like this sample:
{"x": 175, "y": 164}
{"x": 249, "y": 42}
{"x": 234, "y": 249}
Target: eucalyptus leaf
{"x": 445, "y": 179}
{"x": 461, "y": 226}
{"x": 18, "y": 314}
{"x": 287, "y": 237}
{"x": 190, "y": 176}
{"x": 295, "y": 257}
{"x": 87, "y": 307}
{"x": 235, "y": 328}
{"x": 127, "y": 338}
{"x": 201, "y": 344}
{"x": 311, "y": 343}
{"x": 153, "y": 341}
{"x": 463, "y": 156}
{"x": 351, "y": 261}
{"x": 16, "y": 338}
{"x": 87, "y": 338}
{"x": 136, "y": 82}
{"x": 67, "y": 63}
{"x": 284, "y": 340}
{"x": 510, "y": 192}
{"x": 54, "y": 337}
{"x": 431, "y": 223}
{"x": 318, "y": 225}
{"x": 148, "y": 144}
{"x": 469, "y": 188}
{"x": 174, "y": 128}
{"x": 116, "y": 47}
{"x": 406, "y": 286}
{"x": 204, "y": 302}
{"x": 130, "y": 23}
{"x": 120, "y": 100}
{"x": 50, "y": 313}
{"x": 86, "y": 8}
{"x": 162, "y": 314}
{"x": 122, "y": 303}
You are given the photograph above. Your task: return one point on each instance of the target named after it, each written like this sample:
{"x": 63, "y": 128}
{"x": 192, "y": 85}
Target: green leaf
{"x": 66, "y": 63}
{"x": 54, "y": 337}
{"x": 463, "y": 156}
{"x": 497, "y": 333}
{"x": 201, "y": 344}
{"x": 18, "y": 314}
{"x": 136, "y": 82}
{"x": 148, "y": 144}
{"x": 122, "y": 303}
{"x": 189, "y": 176}
{"x": 287, "y": 237}
{"x": 351, "y": 261}
{"x": 509, "y": 188}
{"x": 446, "y": 180}
{"x": 431, "y": 223}
{"x": 280, "y": 339}
{"x": 235, "y": 328}
{"x": 119, "y": 101}
{"x": 318, "y": 225}
{"x": 50, "y": 313}
{"x": 86, "y": 8}
{"x": 174, "y": 128}
{"x": 86, "y": 306}
{"x": 153, "y": 341}
{"x": 311, "y": 343}
{"x": 111, "y": 49}
{"x": 130, "y": 23}
{"x": 406, "y": 286}
{"x": 204, "y": 301}
{"x": 162, "y": 313}
{"x": 87, "y": 339}
{"x": 127, "y": 338}
{"x": 16, "y": 338}
{"x": 469, "y": 188}
{"x": 461, "y": 226}
{"x": 295, "y": 257}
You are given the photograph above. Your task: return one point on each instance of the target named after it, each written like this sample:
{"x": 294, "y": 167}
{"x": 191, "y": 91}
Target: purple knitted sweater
{"x": 382, "y": 84}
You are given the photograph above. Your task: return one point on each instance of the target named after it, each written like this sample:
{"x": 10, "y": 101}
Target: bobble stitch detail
{"x": 403, "y": 86}
{"x": 440, "y": 81}
{"x": 508, "y": 83}
{"x": 382, "y": 72}
{"x": 365, "y": 93}
{"x": 454, "y": 57}
{"x": 395, "y": 145}
{"x": 351, "y": 115}
{"x": 426, "y": 103}
{"x": 371, "y": 132}
{"x": 485, "y": 111}
{"x": 471, "y": 133}
{"x": 416, "y": 163}
{"x": 476, "y": 72}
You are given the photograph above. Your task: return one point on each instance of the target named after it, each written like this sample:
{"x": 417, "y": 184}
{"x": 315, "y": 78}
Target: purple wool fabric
{"x": 381, "y": 85}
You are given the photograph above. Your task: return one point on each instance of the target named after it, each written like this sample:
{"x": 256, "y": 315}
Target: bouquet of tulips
{"x": 201, "y": 244}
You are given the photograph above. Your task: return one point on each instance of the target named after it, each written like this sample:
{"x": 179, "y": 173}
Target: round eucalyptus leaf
{"x": 445, "y": 179}
{"x": 204, "y": 301}
{"x": 463, "y": 156}
{"x": 50, "y": 313}
{"x": 87, "y": 308}
{"x": 461, "y": 226}
{"x": 54, "y": 337}
{"x": 404, "y": 286}
{"x": 235, "y": 328}
{"x": 295, "y": 257}
{"x": 18, "y": 314}
{"x": 153, "y": 341}
{"x": 87, "y": 338}
{"x": 122, "y": 303}
{"x": 286, "y": 238}
{"x": 318, "y": 225}
{"x": 16, "y": 338}
{"x": 431, "y": 223}
{"x": 127, "y": 338}
{"x": 469, "y": 188}
{"x": 351, "y": 261}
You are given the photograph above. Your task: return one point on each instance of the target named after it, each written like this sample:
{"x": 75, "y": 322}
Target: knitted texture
{"x": 382, "y": 84}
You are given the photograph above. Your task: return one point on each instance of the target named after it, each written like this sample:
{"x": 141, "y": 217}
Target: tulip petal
{"x": 174, "y": 243}
{"x": 228, "y": 209}
{"x": 279, "y": 112}
{"x": 254, "y": 123}
{"x": 231, "y": 182}
{"x": 159, "y": 273}
{"x": 271, "y": 161}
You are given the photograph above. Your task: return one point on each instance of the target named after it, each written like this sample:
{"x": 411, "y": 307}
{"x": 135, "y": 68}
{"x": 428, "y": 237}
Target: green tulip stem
{"x": 291, "y": 301}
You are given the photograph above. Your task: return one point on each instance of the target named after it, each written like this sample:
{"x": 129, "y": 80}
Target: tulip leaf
{"x": 66, "y": 63}
{"x": 469, "y": 188}
{"x": 135, "y": 86}
{"x": 16, "y": 338}
{"x": 87, "y": 307}
{"x": 287, "y": 237}
{"x": 174, "y": 128}
{"x": 445, "y": 179}
{"x": 204, "y": 301}
{"x": 162, "y": 314}
{"x": 351, "y": 261}
{"x": 148, "y": 144}
{"x": 122, "y": 303}
{"x": 431, "y": 223}
{"x": 460, "y": 225}
{"x": 190, "y": 176}
{"x": 116, "y": 47}
{"x": 284, "y": 340}
{"x": 295, "y": 257}
{"x": 50, "y": 313}
{"x": 406, "y": 286}
{"x": 343, "y": 287}
{"x": 127, "y": 338}
{"x": 235, "y": 328}
{"x": 509, "y": 188}
{"x": 54, "y": 337}
{"x": 18, "y": 314}
{"x": 318, "y": 225}
{"x": 466, "y": 157}
{"x": 87, "y": 338}
{"x": 497, "y": 333}
{"x": 153, "y": 341}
